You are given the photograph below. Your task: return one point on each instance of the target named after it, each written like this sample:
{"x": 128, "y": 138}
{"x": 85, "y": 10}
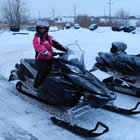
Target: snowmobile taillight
{"x": 86, "y": 94}
{"x": 13, "y": 71}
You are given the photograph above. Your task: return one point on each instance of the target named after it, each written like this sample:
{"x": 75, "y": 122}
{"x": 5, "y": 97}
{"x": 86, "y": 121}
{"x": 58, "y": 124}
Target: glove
{"x": 65, "y": 48}
{"x": 46, "y": 53}
{"x": 46, "y": 42}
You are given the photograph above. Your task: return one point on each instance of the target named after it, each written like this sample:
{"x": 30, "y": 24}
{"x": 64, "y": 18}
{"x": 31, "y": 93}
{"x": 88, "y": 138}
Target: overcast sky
{"x": 44, "y": 8}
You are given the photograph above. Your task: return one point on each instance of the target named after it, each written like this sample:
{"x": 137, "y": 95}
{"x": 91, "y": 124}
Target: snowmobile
{"x": 68, "y": 84}
{"x": 123, "y": 68}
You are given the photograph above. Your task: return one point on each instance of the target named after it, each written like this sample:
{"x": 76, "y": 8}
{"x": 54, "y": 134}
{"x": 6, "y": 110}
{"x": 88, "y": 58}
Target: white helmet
{"x": 42, "y": 23}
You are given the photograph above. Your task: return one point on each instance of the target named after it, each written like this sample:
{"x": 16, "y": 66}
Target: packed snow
{"x": 22, "y": 118}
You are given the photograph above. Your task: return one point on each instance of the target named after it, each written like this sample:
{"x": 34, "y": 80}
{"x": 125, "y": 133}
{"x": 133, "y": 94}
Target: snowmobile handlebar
{"x": 57, "y": 53}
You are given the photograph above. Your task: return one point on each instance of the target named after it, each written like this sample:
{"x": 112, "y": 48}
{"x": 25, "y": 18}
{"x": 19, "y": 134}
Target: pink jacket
{"x": 42, "y": 46}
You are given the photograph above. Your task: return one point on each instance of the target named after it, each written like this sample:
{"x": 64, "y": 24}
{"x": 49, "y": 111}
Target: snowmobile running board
{"x": 121, "y": 87}
{"x": 128, "y": 88}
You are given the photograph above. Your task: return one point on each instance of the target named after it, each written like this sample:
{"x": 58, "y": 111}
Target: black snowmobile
{"x": 68, "y": 84}
{"x": 123, "y": 68}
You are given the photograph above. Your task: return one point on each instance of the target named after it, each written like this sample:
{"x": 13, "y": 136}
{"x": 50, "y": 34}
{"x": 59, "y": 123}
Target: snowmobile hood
{"x": 90, "y": 83}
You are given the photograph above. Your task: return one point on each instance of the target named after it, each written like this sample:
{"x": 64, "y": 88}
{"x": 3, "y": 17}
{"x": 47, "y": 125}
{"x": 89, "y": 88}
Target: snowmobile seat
{"x": 118, "y": 47}
{"x": 28, "y": 67}
{"x": 31, "y": 62}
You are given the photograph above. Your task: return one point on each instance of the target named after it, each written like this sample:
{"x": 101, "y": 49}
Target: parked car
{"x": 31, "y": 28}
{"x": 93, "y": 27}
{"x": 129, "y": 29}
{"x": 116, "y": 29}
{"x": 124, "y": 28}
{"x": 67, "y": 25}
{"x": 14, "y": 28}
{"x": 76, "y": 26}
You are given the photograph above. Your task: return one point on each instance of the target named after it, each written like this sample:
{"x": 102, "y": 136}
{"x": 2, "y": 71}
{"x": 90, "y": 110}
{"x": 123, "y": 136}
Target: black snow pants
{"x": 43, "y": 67}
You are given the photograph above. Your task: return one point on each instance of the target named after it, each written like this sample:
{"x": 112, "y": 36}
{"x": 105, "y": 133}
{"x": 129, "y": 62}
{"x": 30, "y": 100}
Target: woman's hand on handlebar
{"x": 53, "y": 54}
{"x": 48, "y": 53}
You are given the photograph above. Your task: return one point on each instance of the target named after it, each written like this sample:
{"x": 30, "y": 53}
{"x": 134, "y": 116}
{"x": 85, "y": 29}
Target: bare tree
{"x": 123, "y": 17}
{"x": 14, "y": 12}
{"x": 83, "y": 20}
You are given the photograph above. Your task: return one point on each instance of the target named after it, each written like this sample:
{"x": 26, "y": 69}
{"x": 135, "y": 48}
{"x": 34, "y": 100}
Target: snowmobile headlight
{"x": 74, "y": 68}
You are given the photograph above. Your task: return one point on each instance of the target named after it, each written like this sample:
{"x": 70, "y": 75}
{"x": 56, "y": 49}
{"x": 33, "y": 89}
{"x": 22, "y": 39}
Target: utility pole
{"x": 110, "y": 4}
{"x": 105, "y": 15}
{"x": 53, "y": 13}
{"x": 74, "y": 8}
{"x": 104, "y": 12}
{"x": 39, "y": 14}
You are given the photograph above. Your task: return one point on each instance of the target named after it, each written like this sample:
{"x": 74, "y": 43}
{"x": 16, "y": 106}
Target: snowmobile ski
{"x": 123, "y": 111}
{"x": 79, "y": 130}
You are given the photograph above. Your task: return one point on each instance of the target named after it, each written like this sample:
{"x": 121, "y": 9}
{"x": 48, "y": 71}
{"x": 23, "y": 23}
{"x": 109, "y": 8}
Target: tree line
{"x": 14, "y": 12}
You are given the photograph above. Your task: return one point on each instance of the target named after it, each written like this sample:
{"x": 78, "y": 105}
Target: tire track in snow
{"x": 14, "y": 133}
{"x": 9, "y": 58}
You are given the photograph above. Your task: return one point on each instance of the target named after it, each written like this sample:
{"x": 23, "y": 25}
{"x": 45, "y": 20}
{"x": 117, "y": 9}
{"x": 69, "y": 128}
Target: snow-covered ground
{"x": 22, "y": 118}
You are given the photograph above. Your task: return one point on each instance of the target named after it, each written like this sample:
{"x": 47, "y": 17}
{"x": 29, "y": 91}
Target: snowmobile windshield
{"x": 75, "y": 55}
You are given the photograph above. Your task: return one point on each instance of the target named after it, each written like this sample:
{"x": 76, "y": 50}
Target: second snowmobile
{"x": 123, "y": 68}
{"x": 68, "y": 84}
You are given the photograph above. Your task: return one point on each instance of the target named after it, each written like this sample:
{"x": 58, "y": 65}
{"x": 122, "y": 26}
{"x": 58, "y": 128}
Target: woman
{"x": 43, "y": 44}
